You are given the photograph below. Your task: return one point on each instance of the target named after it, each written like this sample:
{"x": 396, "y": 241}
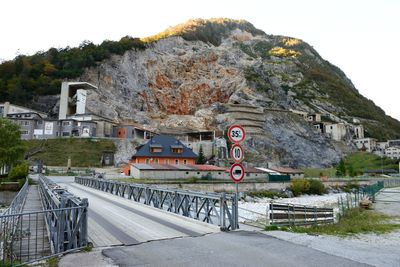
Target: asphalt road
{"x": 114, "y": 220}
{"x": 238, "y": 248}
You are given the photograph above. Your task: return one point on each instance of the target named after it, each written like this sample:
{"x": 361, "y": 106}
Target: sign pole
{"x": 237, "y": 135}
{"x": 237, "y": 205}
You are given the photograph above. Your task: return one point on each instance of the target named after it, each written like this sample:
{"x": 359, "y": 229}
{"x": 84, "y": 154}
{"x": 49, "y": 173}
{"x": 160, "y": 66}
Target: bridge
{"x": 63, "y": 214}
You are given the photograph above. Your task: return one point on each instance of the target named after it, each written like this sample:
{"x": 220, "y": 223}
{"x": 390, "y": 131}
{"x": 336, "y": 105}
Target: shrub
{"x": 19, "y": 171}
{"x": 193, "y": 179}
{"x": 268, "y": 194}
{"x": 316, "y": 187}
{"x": 300, "y": 186}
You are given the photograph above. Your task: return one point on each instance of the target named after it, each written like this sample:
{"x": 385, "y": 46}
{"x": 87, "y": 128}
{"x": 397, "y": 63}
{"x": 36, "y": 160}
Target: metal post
{"x": 237, "y": 207}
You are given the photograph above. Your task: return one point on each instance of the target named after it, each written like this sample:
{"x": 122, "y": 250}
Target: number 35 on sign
{"x": 236, "y": 134}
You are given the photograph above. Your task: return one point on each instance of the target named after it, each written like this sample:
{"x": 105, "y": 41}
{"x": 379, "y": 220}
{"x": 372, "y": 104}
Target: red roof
{"x": 208, "y": 168}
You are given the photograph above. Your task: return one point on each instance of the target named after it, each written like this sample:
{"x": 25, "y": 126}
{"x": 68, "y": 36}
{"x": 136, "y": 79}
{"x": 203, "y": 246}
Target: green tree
{"x": 12, "y": 148}
{"x": 341, "y": 168}
{"x": 200, "y": 158}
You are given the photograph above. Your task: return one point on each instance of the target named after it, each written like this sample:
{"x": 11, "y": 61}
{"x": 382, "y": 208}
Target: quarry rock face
{"x": 200, "y": 86}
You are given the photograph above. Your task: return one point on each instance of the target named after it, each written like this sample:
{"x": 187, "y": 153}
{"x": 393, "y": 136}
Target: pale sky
{"x": 362, "y": 37}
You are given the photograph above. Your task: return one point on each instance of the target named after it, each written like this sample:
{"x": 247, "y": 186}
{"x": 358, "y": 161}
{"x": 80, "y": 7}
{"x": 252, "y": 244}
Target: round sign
{"x": 236, "y": 134}
{"x": 237, "y": 172}
{"x": 237, "y": 153}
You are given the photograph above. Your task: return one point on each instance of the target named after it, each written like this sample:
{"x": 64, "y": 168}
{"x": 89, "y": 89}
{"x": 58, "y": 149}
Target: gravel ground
{"x": 377, "y": 250}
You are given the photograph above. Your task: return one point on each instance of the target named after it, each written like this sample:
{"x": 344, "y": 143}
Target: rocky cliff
{"x": 208, "y": 74}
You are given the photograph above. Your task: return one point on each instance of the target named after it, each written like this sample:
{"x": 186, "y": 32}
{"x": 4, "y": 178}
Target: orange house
{"x": 163, "y": 150}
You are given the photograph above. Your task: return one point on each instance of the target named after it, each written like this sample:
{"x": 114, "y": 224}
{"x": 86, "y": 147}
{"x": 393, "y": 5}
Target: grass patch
{"x": 355, "y": 221}
{"x": 53, "y": 261}
{"x": 313, "y": 172}
{"x": 361, "y": 161}
{"x": 83, "y": 152}
{"x": 268, "y": 194}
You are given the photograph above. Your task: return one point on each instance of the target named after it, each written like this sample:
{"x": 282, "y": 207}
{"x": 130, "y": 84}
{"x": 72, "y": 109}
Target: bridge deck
{"x": 114, "y": 220}
{"x": 34, "y": 242}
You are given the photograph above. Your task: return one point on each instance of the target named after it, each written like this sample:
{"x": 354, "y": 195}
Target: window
{"x": 147, "y": 161}
{"x": 177, "y": 150}
{"x": 198, "y": 172}
{"x": 65, "y": 134}
{"x": 156, "y": 149}
{"x": 156, "y": 161}
{"x": 66, "y": 123}
{"x": 25, "y": 123}
{"x": 27, "y": 115}
{"x": 187, "y": 172}
{"x": 57, "y": 134}
{"x": 40, "y": 122}
{"x": 166, "y": 161}
{"x": 24, "y": 132}
{"x": 177, "y": 161}
{"x": 185, "y": 161}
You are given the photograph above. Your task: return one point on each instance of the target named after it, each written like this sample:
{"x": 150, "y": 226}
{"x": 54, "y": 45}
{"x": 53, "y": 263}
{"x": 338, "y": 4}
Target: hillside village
{"x": 76, "y": 120}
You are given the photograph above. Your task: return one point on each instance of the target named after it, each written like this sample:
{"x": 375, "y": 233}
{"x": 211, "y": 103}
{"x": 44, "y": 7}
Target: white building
{"x": 7, "y": 108}
{"x": 393, "y": 142}
{"x": 73, "y": 99}
{"x": 336, "y": 131}
{"x": 393, "y": 152}
{"x": 366, "y": 144}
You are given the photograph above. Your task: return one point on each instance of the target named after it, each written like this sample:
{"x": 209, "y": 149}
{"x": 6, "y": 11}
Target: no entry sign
{"x": 236, "y": 134}
{"x": 237, "y": 153}
{"x": 237, "y": 172}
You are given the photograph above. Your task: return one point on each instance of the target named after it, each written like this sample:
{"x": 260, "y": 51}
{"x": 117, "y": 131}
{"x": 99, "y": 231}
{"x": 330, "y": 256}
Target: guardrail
{"x": 67, "y": 219}
{"x": 213, "y": 208}
{"x": 283, "y": 214}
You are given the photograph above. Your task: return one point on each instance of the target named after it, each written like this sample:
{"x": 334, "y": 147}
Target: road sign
{"x": 237, "y": 172}
{"x": 236, "y": 134}
{"x": 237, "y": 153}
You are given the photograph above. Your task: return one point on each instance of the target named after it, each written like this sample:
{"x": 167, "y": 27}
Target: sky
{"x": 362, "y": 37}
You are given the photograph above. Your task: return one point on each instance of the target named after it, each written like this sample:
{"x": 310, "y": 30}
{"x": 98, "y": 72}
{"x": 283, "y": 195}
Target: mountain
{"x": 205, "y": 75}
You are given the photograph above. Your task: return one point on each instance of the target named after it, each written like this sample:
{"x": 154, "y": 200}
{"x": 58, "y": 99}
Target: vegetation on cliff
{"x": 206, "y": 30}
{"x": 26, "y": 77}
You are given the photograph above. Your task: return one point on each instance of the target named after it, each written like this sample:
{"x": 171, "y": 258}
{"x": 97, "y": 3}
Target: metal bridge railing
{"x": 18, "y": 202}
{"x": 8, "y": 222}
{"x": 67, "y": 221}
{"x": 213, "y": 208}
{"x": 61, "y": 226}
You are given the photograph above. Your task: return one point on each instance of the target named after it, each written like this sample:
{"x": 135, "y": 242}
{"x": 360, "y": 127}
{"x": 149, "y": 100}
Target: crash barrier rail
{"x": 284, "y": 214}
{"x": 67, "y": 223}
{"x": 213, "y": 208}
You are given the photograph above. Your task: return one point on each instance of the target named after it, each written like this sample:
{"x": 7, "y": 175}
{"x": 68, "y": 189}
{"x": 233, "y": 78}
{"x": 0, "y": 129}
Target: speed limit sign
{"x": 236, "y": 134}
{"x": 237, "y": 153}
